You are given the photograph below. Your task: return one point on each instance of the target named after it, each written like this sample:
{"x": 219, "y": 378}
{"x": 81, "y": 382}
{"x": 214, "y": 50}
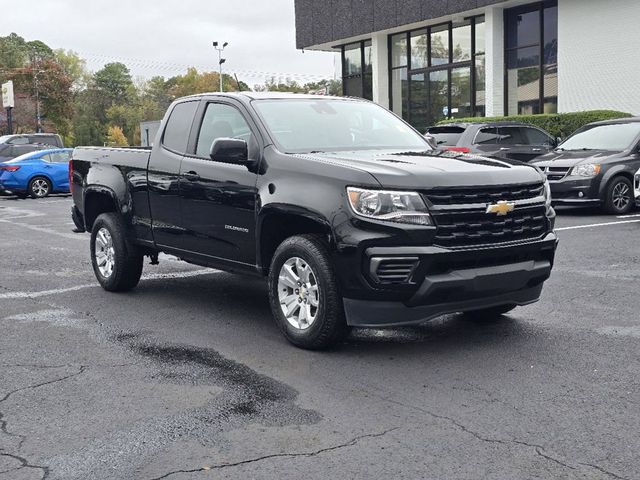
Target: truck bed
{"x": 117, "y": 156}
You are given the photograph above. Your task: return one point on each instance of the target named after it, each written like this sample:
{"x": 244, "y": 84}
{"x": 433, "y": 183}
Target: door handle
{"x": 504, "y": 149}
{"x": 191, "y": 176}
{"x": 536, "y": 150}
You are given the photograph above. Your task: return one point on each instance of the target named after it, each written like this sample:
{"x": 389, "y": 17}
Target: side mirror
{"x": 230, "y": 150}
{"x": 558, "y": 141}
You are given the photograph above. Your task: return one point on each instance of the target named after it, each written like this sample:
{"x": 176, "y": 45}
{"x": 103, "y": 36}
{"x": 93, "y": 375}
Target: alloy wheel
{"x": 621, "y": 196}
{"x": 40, "y": 187}
{"x": 104, "y": 253}
{"x": 298, "y": 293}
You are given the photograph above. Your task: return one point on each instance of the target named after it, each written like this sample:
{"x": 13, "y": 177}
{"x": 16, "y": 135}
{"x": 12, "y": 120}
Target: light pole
{"x": 221, "y": 60}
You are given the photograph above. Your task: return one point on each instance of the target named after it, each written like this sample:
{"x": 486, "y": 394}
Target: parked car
{"x": 353, "y": 218}
{"x": 636, "y": 189}
{"x": 508, "y": 140}
{"x": 37, "y": 174}
{"x": 596, "y": 166}
{"x": 13, "y": 146}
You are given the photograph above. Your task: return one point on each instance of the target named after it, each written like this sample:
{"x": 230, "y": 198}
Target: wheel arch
{"x": 98, "y": 200}
{"x": 619, "y": 171}
{"x": 276, "y": 223}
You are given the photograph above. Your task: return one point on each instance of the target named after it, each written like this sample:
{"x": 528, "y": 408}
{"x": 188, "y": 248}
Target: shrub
{"x": 557, "y": 124}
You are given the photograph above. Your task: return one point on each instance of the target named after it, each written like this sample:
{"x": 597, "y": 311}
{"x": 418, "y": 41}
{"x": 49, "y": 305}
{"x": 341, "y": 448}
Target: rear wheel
{"x": 39, "y": 187}
{"x": 489, "y": 313}
{"x": 116, "y": 262}
{"x": 619, "y": 198}
{"x": 303, "y": 293}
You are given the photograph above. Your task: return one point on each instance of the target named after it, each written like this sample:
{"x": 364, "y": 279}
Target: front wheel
{"x": 116, "y": 262}
{"x": 39, "y": 187}
{"x": 304, "y": 295}
{"x": 619, "y": 196}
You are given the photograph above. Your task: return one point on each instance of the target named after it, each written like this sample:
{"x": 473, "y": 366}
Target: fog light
{"x": 580, "y": 194}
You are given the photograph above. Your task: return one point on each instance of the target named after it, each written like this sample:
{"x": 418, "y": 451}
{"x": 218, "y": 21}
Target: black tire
{"x": 127, "y": 259}
{"x": 39, "y": 187}
{"x": 490, "y": 313}
{"x": 619, "y": 197}
{"x": 329, "y": 326}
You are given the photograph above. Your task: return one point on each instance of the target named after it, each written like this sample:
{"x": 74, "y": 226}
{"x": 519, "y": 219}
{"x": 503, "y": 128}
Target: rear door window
{"x": 59, "y": 157}
{"x": 176, "y": 133}
{"x": 537, "y": 137}
{"x": 449, "y": 136}
{"x": 512, "y": 136}
{"x": 487, "y": 136}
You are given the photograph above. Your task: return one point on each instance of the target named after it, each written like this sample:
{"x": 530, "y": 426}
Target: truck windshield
{"x": 332, "y": 125}
{"x": 616, "y": 137}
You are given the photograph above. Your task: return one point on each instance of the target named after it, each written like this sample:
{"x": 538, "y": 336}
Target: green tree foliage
{"x": 114, "y": 82}
{"x": 116, "y": 138}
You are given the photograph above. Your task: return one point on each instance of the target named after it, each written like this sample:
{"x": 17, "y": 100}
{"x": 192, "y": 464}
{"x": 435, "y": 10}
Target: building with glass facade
{"x": 429, "y": 60}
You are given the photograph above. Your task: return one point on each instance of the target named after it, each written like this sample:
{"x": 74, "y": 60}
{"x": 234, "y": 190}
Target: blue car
{"x": 37, "y": 173}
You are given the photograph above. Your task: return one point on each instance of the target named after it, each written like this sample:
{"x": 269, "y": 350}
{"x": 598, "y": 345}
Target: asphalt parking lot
{"x": 187, "y": 377}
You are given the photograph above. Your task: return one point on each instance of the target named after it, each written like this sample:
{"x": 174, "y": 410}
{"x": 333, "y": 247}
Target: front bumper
{"x": 576, "y": 191}
{"x": 448, "y": 281}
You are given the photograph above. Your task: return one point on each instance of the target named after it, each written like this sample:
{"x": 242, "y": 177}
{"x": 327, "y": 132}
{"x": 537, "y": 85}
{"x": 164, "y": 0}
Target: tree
{"x": 74, "y": 67}
{"x": 114, "y": 81}
{"x": 116, "y": 137}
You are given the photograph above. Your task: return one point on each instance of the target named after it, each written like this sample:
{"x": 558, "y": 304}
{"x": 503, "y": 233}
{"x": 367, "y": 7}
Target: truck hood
{"x": 431, "y": 169}
{"x": 571, "y": 158}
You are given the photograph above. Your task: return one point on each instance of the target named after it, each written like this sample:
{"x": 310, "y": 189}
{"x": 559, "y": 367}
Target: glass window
{"x": 368, "y": 57}
{"x": 221, "y": 121}
{"x": 480, "y": 36}
{"x": 335, "y": 125}
{"x": 446, "y": 135}
{"x": 58, "y": 157}
{"x": 523, "y": 28}
{"x": 400, "y": 92}
{"x": 438, "y": 98}
{"x": 440, "y": 45}
{"x": 462, "y": 43}
{"x": 19, "y": 141}
{"x": 418, "y": 107}
{"x": 480, "y": 107}
{"x": 352, "y": 59}
{"x": 550, "y": 89}
{"x": 353, "y": 86}
{"x": 616, "y": 137}
{"x": 512, "y": 136}
{"x": 550, "y": 35}
{"x": 399, "y": 50}
{"x": 419, "y": 50}
{"x": 536, "y": 137}
{"x": 523, "y": 80}
{"x": 487, "y": 136}
{"x": 176, "y": 133}
{"x": 461, "y": 93}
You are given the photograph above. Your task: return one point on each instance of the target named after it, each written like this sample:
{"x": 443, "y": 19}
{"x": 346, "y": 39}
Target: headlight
{"x": 586, "y": 170}
{"x": 547, "y": 193}
{"x": 389, "y": 206}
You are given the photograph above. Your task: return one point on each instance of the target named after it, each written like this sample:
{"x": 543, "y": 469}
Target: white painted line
{"x": 629, "y": 216}
{"x": 57, "y": 291}
{"x": 48, "y": 231}
{"x": 577, "y": 227}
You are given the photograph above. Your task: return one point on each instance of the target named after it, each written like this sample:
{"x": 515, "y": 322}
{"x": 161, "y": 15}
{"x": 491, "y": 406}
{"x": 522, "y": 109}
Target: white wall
{"x": 494, "y": 48}
{"x": 599, "y": 55}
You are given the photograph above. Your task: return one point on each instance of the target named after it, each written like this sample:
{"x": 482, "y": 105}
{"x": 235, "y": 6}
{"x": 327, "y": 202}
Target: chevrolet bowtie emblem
{"x": 501, "y": 208}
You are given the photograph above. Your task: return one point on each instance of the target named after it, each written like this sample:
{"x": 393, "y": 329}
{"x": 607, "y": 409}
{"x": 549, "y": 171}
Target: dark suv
{"x": 12, "y": 146}
{"x": 509, "y": 140}
{"x": 596, "y": 166}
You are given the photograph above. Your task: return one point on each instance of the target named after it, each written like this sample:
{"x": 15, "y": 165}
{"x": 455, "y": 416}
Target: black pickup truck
{"x": 345, "y": 208}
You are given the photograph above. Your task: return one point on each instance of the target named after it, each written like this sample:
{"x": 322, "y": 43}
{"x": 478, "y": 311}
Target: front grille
{"x": 556, "y": 173}
{"x": 469, "y": 228}
{"x": 393, "y": 270}
{"x": 461, "y": 196}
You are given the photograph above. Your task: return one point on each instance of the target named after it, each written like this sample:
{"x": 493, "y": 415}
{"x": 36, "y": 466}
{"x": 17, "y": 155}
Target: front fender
{"x": 614, "y": 171}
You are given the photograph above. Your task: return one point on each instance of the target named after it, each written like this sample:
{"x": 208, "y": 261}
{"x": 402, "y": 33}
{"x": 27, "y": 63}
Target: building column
{"x": 380, "y": 61}
{"x": 494, "y": 47}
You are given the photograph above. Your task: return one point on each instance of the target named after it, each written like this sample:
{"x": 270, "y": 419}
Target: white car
{"x": 636, "y": 188}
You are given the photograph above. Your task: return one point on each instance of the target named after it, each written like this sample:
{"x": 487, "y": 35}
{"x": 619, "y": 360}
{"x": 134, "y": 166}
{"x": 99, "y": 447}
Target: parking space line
{"x": 593, "y": 225}
{"x": 629, "y": 216}
{"x": 40, "y": 229}
{"x": 57, "y": 291}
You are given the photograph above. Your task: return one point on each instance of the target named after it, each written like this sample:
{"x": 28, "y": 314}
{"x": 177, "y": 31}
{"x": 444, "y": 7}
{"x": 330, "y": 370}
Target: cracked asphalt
{"x": 187, "y": 377}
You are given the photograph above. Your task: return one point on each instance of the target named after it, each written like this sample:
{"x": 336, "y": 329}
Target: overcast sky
{"x": 163, "y": 37}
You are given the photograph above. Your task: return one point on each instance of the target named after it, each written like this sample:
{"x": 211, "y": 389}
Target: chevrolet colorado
{"x": 353, "y": 218}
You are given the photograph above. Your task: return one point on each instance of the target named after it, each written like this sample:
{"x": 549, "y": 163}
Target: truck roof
{"x": 269, "y": 95}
